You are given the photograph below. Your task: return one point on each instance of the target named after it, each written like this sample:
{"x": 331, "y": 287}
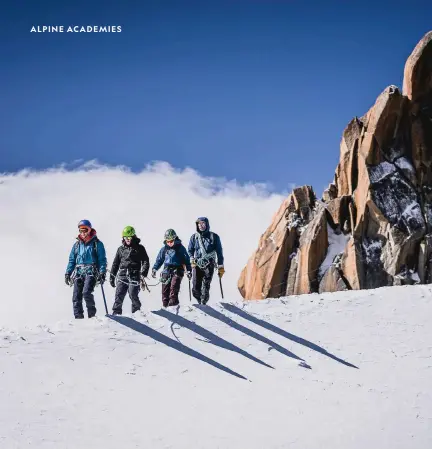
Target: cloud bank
{"x": 40, "y": 211}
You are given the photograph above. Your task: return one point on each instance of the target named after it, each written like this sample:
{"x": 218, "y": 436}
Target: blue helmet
{"x": 85, "y": 223}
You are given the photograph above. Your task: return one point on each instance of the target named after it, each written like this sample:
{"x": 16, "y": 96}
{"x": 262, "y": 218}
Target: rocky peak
{"x": 373, "y": 225}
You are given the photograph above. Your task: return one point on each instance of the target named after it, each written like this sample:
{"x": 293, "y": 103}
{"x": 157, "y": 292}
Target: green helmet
{"x": 128, "y": 231}
{"x": 170, "y": 234}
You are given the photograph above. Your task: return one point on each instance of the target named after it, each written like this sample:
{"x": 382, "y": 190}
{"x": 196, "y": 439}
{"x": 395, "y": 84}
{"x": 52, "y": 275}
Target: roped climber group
{"x": 88, "y": 265}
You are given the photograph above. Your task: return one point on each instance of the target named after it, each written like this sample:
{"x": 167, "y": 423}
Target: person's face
{"x": 202, "y": 226}
{"x": 84, "y": 232}
{"x": 170, "y": 243}
{"x": 128, "y": 240}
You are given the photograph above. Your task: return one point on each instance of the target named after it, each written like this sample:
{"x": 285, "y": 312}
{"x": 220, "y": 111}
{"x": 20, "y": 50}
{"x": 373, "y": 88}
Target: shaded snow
{"x": 372, "y": 250}
{"x": 404, "y": 164}
{"x": 396, "y": 198}
{"x": 379, "y": 172}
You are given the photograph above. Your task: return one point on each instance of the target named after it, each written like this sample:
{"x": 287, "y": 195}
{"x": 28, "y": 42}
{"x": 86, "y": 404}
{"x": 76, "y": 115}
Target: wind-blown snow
{"x": 344, "y": 371}
{"x": 41, "y": 210}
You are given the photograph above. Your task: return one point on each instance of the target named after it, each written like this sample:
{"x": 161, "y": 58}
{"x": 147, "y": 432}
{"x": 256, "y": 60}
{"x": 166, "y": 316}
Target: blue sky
{"x": 253, "y": 90}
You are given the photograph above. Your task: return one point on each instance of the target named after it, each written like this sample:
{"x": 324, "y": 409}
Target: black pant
{"x": 83, "y": 288}
{"x": 170, "y": 290}
{"x": 201, "y": 280}
{"x": 121, "y": 290}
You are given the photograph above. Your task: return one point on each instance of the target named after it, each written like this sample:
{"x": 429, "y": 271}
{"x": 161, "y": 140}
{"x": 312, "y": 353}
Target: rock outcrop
{"x": 373, "y": 225}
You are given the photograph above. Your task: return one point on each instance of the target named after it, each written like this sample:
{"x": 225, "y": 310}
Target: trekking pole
{"x": 190, "y": 296}
{"x": 220, "y": 284}
{"x": 103, "y": 294}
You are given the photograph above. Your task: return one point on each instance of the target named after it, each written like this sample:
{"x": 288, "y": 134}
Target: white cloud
{"x": 40, "y": 212}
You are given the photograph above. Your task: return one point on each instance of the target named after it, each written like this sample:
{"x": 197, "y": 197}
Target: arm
{"x": 191, "y": 247}
{"x": 145, "y": 262}
{"x": 185, "y": 257}
{"x": 219, "y": 250}
{"x": 72, "y": 261}
{"x": 116, "y": 263}
{"x": 101, "y": 256}
{"x": 159, "y": 259}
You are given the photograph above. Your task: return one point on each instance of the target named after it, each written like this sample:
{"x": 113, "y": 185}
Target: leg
{"x": 208, "y": 276}
{"x": 77, "y": 298}
{"x": 197, "y": 279}
{"x": 166, "y": 293}
{"x": 120, "y": 294}
{"x": 89, "y": 285}
{"x": 175, "y": 288}
{"x": 133, "y": 295}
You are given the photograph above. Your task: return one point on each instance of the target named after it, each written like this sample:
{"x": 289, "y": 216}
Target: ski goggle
{"x": 84, "y": 230}
{"x": 128, "y": 238}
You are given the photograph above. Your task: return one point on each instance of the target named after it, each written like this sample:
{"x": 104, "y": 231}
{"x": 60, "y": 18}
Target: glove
{"x": 112, "y": 281}
{"x": 189, "y": 274}
{"x": 221, "y": 270}
{"x": 153, "y": 273}
{"x": 101, "y": 278}
{"x": 67, "y": 279}
{"x": 193, "y": 263}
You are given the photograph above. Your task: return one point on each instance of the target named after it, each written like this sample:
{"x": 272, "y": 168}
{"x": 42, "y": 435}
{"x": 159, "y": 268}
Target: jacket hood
{"x": 205, "y": 219}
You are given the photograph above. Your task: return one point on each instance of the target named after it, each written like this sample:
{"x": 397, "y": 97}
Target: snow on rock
{"x": 337, "y": 244}
{"x": 404, "y": 164}
{"x": 396, "y": 198}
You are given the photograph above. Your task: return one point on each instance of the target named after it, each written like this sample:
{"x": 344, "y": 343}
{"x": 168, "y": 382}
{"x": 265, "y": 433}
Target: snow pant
{"x": 201, "y": 280}
{"x": 120, "y": 293}
{"x": 171, "y": 289}
{"x": 83, "y": 289}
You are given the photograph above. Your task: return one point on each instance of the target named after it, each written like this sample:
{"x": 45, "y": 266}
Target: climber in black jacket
{"x": 130, "y": 265}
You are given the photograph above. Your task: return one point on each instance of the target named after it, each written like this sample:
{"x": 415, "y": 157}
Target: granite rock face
{"x": 373, "y": 225}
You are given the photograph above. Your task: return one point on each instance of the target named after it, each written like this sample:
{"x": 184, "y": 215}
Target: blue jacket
{"x": 209, "y": 244}
{"x": 86, "y": 254}
{"x": 176, "y": 256}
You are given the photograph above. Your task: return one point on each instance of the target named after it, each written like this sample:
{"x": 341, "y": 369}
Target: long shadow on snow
{"x": 221, "y": 317}
{"x": 213, "y": 338}
{"x": 232, "y": 308}
{"x": 149, "y": 332}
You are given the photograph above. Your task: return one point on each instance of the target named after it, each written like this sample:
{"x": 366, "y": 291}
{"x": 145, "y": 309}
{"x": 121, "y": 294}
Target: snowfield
{"x": 337, "y": 370}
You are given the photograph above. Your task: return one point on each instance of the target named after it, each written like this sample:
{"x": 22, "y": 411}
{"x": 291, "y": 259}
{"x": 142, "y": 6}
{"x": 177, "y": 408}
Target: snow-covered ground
{"x": 346, "y": 370}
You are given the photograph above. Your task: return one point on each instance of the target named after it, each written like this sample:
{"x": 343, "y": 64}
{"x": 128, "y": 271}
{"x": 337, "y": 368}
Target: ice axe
{"x": 103, "y": 294}
{"x": 220, "y": 285}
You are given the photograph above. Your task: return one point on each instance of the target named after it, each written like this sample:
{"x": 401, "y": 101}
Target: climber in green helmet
{"x": 130, "y": 266}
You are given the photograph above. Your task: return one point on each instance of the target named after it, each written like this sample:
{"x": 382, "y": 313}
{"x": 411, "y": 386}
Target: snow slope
{"x": 342, "y": 371}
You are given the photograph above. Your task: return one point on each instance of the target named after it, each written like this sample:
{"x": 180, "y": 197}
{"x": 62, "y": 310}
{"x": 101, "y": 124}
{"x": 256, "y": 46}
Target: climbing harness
{"x": 81, "y": 271}
{"x": 206, "y": 258}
